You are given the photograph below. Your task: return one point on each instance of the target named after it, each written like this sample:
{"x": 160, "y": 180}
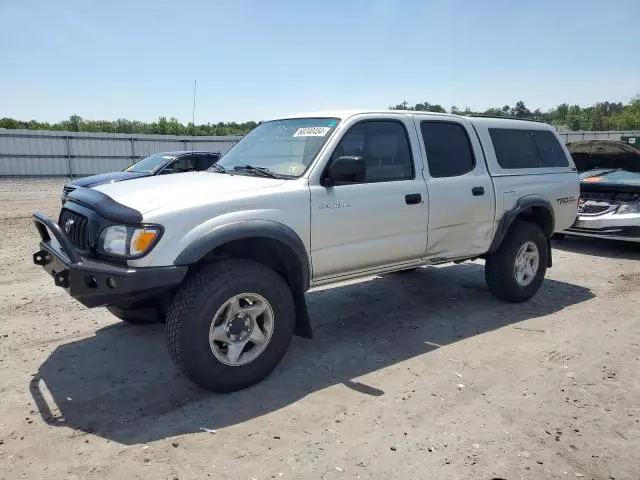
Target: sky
{"x": 257, "y": 59}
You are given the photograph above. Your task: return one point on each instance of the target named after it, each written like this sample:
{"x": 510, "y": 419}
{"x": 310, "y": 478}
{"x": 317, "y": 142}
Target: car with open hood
{"x": 162, "y": 163}
{"x": 609, "y": 205}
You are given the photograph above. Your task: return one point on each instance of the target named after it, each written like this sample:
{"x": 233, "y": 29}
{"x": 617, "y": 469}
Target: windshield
{"x": 150, "y": 164}
{"x": 284, "y": 147}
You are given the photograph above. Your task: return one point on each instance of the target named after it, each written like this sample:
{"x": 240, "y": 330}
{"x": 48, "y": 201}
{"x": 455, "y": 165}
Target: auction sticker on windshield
{"x": 311, "y": 132}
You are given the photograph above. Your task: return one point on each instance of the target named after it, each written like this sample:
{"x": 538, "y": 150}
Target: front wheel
{"x": 515, "y": 271}
{"x": 230, "y": 324}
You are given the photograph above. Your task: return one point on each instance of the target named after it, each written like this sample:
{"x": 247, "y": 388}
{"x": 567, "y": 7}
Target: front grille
{"x": 75, "y": 226}
{"x": 592, "y": 207}
{"x": 67, "y": 189}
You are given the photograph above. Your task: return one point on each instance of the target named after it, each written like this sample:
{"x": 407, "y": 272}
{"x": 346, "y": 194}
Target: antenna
{"x": 193, "y": 115}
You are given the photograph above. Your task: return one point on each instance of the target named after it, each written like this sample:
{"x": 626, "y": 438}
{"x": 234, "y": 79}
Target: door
{"x": 461, "y": 197}
{"x": 380, "y": 221}
{"x": 205, "y": 161}
{"x": 182, "y": 164}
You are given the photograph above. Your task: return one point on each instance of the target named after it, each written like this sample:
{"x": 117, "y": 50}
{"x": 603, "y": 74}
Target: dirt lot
{"x": 423, "y": 375}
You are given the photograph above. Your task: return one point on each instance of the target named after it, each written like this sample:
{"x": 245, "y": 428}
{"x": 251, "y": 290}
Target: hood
{"x": 604, "y": 154}
{"x": 192, "y": 189}
{"x": 103, "y": 178}
{"x": 620, "y": 180}
{"x": 607, "y": 165}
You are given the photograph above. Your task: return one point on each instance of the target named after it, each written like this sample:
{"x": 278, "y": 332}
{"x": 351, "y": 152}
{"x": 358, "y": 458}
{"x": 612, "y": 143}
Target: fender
{"x": 260, "y": 229}
{"x": 509, "y": 216}
{"x": 248, "y": 229}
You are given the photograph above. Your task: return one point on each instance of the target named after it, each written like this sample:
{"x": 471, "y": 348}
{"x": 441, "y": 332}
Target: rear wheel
{"x": 515, "y": 271}
{"x": 230, "y": 324}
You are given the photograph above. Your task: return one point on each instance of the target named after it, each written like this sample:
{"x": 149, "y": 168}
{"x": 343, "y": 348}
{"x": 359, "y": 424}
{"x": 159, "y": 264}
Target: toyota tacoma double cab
{"x": 224, "y": 257}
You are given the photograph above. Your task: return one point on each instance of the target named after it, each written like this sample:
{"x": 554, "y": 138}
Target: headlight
{"x": 130, "y": 242}
{"x": 629, "y": 207}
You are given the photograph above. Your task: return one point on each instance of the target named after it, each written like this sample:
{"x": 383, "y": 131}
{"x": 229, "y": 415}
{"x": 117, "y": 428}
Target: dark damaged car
{"x": 157, "y": 164}
{"x": 609, "y": 205}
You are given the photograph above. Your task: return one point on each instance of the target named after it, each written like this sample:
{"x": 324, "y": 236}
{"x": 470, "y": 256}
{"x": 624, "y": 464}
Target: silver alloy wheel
{"x": 241, "y": 329}
{"x": 526, "y": 264}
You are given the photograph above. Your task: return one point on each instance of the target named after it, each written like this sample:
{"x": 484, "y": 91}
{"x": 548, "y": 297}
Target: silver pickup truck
{"x": 224, "y": 257}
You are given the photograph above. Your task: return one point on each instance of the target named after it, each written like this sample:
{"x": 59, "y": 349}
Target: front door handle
{"x": 477, "y": 191}
{"x": 413, "y": 198}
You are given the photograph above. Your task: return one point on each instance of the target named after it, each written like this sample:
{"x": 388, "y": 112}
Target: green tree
{"x": 521, "y": 111}
{"x": 574, "y": 123}
{"x": 174, "y": 127}
{"x": 74, "y": 124}
{"x": 9, "y": 123}
{"x": 601, "y": 116}
{"x": 596, "y": 121}
{"x": 161, "y": 126}
{"x": 561, "y": 112}
{"x": 494, "y": 112}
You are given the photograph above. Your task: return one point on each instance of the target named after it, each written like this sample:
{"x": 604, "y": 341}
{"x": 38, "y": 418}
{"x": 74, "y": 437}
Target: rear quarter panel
{"x": 561, "y": 190}
{"x": 559, "y": 186}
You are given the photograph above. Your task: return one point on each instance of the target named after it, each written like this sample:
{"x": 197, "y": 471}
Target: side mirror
{"x": 345, "y": 170}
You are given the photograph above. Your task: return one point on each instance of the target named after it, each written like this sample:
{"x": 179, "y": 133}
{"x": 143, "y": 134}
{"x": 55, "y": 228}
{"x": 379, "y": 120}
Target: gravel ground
{"x": 423, "y": 375}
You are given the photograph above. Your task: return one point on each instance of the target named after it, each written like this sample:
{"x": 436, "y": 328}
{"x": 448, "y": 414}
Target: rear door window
{"x": 516, "y": 148}
{"x": 449, "y": 152}
{"x": 184, "y": 164}
{"x": 205, "y": 161}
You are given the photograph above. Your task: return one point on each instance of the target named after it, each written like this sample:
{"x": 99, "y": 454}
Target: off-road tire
{"x": 499, "y": 266}
{"x": 194, "y": 307}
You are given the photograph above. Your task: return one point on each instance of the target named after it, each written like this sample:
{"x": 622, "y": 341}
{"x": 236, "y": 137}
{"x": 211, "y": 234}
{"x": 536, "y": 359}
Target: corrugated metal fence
{"x": 611, "y": 135}
{"x": 49, "y": 153}
{"x": 44, "y": 153}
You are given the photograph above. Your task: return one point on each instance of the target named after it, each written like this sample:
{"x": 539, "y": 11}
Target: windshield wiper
{"x": 265, "y": 172}
{"x": 595, "y": 172}
{"x": 219, "y": 168}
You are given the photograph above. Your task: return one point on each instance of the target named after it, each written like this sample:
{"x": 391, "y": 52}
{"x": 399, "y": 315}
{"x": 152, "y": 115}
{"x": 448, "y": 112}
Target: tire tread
{"x": 188, "y": 300}
{"x": 499, "y": 265}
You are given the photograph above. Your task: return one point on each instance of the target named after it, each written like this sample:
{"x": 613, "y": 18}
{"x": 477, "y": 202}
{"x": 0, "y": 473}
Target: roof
{"x": 517, "y": 123}
{"x": 342, "y": 114}
{"x": 179, "y": 153}
{"x": 487, "y": 121}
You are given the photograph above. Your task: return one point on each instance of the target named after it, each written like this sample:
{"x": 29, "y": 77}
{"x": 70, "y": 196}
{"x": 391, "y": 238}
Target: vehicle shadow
{"x": 121, "y": 385}
{"x": 598, "y": 247}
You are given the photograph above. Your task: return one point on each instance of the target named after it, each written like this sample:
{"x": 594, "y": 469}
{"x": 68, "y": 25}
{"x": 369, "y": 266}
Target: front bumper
{"x": 613, "y": 226}
{"x": 96, "y": 284}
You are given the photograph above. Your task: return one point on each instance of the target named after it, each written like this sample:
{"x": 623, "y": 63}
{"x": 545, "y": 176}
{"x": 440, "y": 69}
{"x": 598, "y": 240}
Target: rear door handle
{"x": 413, "y": 198}
{"x": 477, "y": 191}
